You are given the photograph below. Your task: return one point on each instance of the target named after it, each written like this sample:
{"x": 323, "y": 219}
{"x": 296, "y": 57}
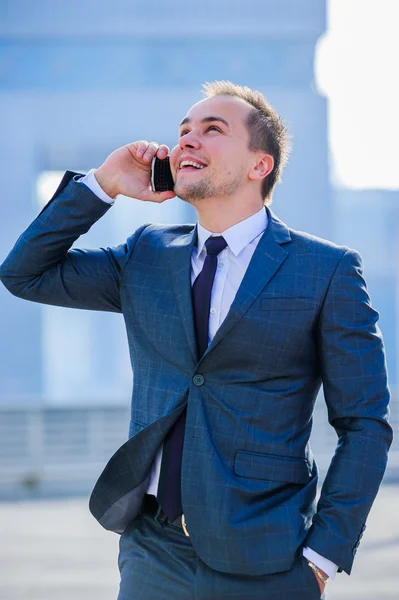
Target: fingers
{"x": 147, "y": 150}
{"x": 163, "y": 151}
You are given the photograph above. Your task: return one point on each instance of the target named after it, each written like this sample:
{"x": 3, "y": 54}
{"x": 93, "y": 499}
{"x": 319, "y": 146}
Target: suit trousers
{"x": 158, "y": 562}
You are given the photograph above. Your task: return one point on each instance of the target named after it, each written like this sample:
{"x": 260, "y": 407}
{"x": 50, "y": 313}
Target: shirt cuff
{"x": 91, "y": 182}
{"x": 323, "y": 563}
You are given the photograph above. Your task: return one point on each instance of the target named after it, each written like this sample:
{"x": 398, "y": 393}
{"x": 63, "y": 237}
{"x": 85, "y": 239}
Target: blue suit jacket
{"x": 301, "y": 317}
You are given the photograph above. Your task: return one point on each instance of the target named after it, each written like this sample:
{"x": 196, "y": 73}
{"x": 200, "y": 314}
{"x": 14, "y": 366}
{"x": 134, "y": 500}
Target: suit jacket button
{"x": 198, "y": 380}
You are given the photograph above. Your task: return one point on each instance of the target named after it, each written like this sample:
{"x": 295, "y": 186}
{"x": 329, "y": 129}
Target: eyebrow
{"x": 206, "y": 120}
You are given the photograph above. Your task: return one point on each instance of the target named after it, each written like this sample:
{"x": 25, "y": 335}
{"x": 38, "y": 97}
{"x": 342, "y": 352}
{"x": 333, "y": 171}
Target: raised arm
{"x": 42, "y": 268}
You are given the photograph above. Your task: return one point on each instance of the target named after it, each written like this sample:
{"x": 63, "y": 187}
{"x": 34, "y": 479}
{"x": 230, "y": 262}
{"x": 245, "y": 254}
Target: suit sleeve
{"x": 42, "y": 268}
{"x": 354, "y": 374}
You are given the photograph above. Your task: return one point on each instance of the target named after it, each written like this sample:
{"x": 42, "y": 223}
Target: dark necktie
{"x": 169, "y": 488}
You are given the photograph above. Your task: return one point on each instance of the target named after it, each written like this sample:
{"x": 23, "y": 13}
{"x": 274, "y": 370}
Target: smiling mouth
{"x": 190, "y": 165}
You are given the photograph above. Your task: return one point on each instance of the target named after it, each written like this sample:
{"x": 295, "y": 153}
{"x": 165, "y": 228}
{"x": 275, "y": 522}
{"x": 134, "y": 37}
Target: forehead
{"x": 234, "y": 110}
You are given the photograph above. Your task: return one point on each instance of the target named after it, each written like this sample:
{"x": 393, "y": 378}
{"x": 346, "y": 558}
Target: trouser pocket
{"x": 311, "y": 578}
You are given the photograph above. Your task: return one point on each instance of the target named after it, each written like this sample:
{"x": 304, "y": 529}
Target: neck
{"x": 218, "y": 214}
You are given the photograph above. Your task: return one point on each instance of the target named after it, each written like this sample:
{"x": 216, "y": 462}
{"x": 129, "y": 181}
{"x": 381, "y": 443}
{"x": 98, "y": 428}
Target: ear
{"x": 262, "y": 167}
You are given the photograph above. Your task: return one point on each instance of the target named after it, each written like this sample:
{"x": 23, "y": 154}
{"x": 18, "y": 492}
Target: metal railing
{"x": 46, "y": 451}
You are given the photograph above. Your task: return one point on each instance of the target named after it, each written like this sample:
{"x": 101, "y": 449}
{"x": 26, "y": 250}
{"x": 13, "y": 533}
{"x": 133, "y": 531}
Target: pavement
{"x": 55, "y": 550}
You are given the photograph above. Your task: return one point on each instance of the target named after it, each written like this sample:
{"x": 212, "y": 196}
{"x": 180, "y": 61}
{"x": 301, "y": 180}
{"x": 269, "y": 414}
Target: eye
{"x": 184, "y": 132}
{"x": 214, "y": 127}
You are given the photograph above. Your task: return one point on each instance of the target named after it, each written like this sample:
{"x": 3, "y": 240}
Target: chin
{"x": 192, "y": 193}
{"x": 186, "y": 191}
{"x": 180, "y": 190}
{"x": 184, "y": 194}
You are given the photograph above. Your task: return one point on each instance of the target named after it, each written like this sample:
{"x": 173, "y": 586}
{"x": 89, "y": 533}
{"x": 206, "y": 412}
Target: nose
{"x": 189, "y": 140}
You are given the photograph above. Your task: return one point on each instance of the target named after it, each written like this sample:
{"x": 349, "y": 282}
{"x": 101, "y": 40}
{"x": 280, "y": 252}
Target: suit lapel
{"x": 180, "y": 270}
{"x": 267, "y": 258}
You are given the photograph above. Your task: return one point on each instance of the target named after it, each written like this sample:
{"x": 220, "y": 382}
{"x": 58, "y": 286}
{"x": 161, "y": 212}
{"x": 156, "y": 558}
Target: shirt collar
{"x": 239, "y": 235}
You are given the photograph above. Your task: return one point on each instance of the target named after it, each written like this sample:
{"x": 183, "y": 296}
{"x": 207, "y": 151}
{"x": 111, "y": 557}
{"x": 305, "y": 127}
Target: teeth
{"x": 190, "y": 163}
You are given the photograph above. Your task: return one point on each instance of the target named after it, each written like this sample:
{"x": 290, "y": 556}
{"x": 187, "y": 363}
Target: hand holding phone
{"x": 127, "y": 171}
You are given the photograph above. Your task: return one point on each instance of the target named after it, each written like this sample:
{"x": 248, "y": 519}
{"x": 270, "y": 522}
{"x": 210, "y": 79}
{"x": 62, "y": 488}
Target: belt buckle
{"x": 183, "y": 524}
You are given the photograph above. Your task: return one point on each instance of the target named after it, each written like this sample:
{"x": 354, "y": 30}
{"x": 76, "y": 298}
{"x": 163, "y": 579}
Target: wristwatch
{"x": 319, "y": 574}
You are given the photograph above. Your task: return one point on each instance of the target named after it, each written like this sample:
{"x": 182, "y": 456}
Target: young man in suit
{"x": 233, "y": 325}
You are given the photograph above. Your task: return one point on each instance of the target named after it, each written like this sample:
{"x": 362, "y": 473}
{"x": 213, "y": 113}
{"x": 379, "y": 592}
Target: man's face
{"x": 214, "y": 136}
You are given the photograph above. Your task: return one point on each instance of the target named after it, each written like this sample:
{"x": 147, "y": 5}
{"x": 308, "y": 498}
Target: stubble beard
{"x": 199, "y": 190}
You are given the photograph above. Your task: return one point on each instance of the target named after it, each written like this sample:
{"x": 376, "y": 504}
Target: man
{"x": 233, "y": 325}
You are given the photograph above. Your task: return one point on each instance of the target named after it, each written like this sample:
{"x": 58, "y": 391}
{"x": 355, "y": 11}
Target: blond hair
{"x": 266, "y": 129}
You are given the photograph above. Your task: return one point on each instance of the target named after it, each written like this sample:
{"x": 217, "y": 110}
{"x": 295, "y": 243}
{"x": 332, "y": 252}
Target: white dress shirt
{"x": 233, "y": 262}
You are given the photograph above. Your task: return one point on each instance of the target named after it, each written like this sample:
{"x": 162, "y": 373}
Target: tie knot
{"x": 214, "y": 245}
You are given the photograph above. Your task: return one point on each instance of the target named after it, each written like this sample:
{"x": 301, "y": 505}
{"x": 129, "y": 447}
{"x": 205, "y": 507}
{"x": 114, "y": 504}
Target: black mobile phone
{"x": 161, "y": 175}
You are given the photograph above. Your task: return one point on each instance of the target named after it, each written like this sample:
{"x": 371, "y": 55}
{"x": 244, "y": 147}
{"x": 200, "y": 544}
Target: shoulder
{"x": 313, "y": 245}
{"x": 331, "y": 258}
{"x": 305, "y": 243}
{"x": 158, "y": 235}
{"x": 162, "y": 231}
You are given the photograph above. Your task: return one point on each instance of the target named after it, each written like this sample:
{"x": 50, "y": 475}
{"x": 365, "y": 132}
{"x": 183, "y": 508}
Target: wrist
{"x": 318, "y": 572}
{"x": 106, "y": 182}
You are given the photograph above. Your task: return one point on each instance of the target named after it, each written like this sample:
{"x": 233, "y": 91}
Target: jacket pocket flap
{"x": 286, "y": 304}
{"x": 256, "y": 465}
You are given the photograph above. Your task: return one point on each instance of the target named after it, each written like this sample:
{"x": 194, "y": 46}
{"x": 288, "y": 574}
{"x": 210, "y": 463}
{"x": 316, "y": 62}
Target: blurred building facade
{"x": 78, "y": 80}
{"x": 368, "y": 220}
